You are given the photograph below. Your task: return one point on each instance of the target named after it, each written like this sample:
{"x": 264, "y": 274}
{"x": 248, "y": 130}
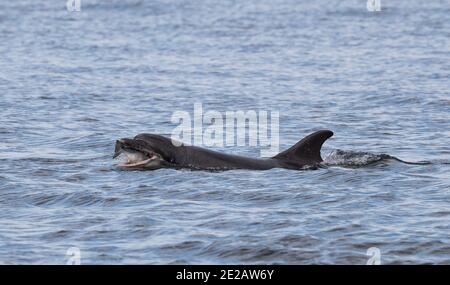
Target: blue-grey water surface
{"x": 71, "y": 83}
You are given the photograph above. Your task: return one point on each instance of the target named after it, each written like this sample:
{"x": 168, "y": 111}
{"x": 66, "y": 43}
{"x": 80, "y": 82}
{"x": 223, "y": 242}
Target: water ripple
{"x": 72, "y": 83}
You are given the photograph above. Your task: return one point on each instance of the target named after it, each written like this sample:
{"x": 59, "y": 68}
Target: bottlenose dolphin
{"x": 150, "y": 151}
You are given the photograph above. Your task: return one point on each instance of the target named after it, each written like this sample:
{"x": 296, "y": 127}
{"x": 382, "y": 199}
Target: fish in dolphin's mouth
{"x": 135, "y": 159}
{"x": 131, "y": 155}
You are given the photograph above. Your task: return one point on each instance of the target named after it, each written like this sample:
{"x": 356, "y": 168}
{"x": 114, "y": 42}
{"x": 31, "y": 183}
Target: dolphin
{"x": 151, "y": 151}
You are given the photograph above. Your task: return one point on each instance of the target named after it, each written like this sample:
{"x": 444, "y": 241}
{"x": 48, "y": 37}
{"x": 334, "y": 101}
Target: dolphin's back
{"x": 304, "y": 153}
{"x": 200, "y": 158}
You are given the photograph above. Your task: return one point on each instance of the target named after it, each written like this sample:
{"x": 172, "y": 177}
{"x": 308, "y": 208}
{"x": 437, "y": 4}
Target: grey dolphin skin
{"x": 150, "y": 152}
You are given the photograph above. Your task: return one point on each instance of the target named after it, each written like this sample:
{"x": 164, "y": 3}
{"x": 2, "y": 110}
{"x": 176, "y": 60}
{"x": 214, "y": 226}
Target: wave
{"x": 348, "y": 158}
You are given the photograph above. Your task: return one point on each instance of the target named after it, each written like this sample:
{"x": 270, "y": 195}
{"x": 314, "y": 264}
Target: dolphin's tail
{"x": 308, "y": 149}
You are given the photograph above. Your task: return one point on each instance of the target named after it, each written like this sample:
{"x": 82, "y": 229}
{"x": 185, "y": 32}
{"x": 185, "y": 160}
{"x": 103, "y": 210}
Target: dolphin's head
{"x": 146, "y": 151}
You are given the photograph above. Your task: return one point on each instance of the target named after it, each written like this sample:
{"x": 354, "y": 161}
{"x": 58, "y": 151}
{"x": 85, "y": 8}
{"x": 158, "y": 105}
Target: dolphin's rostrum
{"x": 150, "y": 151}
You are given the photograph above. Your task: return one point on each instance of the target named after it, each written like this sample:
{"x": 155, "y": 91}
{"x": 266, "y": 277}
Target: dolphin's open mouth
{"x": 132, "y": 158}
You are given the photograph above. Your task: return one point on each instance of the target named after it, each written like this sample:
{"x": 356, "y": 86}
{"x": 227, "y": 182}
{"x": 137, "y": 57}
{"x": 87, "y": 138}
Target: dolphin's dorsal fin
{"x": 306, "y": 149}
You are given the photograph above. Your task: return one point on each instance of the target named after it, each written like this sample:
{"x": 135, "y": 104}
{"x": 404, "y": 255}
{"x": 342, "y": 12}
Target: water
{"x": 72, "y": 83}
